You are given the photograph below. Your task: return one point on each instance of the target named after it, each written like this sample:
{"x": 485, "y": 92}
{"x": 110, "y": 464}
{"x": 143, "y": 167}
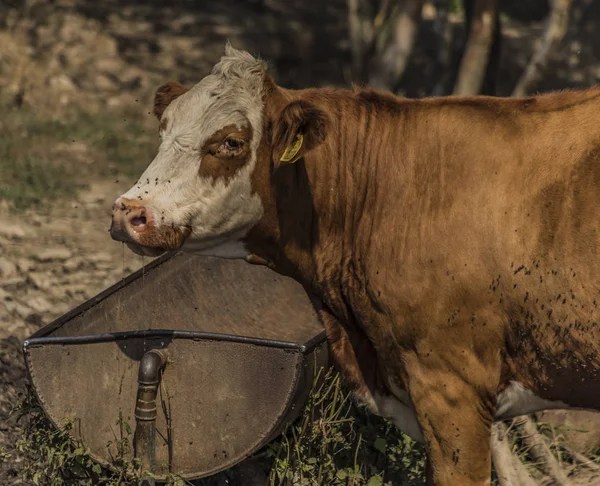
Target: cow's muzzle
{"x": 129, "y": 220}
{"x": 134, "y": 223}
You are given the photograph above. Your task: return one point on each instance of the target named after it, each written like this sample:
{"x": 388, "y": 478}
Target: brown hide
{"x": 454, "y": 244}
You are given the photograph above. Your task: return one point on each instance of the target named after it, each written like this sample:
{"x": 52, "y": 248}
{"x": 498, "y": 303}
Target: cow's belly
{"x": 399, "y": 409}
{"x": 517, "y": 400}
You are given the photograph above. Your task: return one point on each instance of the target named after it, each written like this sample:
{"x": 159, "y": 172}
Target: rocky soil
{"x": 50, "y": 263}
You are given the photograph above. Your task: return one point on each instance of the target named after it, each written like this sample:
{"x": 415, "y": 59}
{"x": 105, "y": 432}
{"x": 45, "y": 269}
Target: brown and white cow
{"x": 454, "y": 242}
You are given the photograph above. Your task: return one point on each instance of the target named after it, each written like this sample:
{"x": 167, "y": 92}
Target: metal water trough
{"x": 204, "y": 360}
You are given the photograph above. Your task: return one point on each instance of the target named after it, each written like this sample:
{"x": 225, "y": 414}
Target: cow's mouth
{"x": 161, "y": 240}
{"x": 139, "y": 221}
{"x": 145, "y": 250}
{"x": 150, "y": 241}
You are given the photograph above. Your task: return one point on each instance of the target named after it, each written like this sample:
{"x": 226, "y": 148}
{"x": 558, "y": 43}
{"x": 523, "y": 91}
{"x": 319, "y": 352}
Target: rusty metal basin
{"x": 239, "y": 344}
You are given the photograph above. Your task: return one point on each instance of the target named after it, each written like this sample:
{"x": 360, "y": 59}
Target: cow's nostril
{"x": 138, "y": 221}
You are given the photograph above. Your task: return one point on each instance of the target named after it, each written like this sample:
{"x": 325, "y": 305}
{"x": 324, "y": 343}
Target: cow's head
{"x": 210, "y": 182}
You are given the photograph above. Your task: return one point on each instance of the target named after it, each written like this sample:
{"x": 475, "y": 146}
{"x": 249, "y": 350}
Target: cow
{"x": 452, "y": 241}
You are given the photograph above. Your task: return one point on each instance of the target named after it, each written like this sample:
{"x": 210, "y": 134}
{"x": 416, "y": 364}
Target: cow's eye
{"x": 230, "y": 146}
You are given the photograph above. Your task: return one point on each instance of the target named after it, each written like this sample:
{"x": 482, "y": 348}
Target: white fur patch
{"x": 517, "y": 400}
{"x": 398, "y": 408}
{"x": 401, "y": 414}
{"x": 218, "y": 214}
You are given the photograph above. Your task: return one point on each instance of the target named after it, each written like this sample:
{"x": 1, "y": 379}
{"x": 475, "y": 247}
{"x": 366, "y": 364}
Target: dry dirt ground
{"x": 50, "y": 263}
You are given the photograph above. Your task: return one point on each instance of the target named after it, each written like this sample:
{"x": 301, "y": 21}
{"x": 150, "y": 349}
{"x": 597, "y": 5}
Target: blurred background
{"x": 77, "y": 79}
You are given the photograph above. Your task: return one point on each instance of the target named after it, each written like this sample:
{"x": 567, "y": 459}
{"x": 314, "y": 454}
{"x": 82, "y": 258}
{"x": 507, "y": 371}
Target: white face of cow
{"x": 196, "y": 195}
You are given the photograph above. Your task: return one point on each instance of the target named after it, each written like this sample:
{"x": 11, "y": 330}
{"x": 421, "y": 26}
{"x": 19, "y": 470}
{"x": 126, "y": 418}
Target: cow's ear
{"x": 165, "y": 94}
{"x": 300, "y": 127}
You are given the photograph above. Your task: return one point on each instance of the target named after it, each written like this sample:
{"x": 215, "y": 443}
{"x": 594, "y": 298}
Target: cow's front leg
{"x": 456, "y": 425}
{"x": 354, "y": 356}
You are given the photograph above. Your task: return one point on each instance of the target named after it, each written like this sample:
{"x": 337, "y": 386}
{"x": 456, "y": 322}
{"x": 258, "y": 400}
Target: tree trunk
{"x": 555, "y": 29}
{"x": 391, "y": 59}
{"x": 360, "y": 23}
{"x": 475, "y": 59}
{"x": 443, "y": 29}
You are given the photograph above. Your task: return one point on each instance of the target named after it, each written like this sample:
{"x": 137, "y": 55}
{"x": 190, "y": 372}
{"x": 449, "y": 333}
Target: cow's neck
{"x": 324, "y": 206}
{"x": 324, "y": 201}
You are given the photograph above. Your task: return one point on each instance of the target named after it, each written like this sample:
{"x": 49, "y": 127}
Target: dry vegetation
{"x": 333, "y": 442}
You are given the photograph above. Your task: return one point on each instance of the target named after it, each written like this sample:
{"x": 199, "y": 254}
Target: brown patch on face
{"x": 163, "y": 125}
{"x": 165, "y": 95}
{"x": 166, "y": 238}
{"x": 225, "y": 152}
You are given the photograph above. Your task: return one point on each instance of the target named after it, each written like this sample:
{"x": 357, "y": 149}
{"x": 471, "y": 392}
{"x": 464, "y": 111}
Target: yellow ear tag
{"x": 291, "y": 152}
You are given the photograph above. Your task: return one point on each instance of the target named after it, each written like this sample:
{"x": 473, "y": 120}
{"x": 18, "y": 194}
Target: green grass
{"x": 49, "y": 457}
{"x": 337, "y": 443}
{"x": 37, "y": 167}
{"x": 333, "y": 442}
